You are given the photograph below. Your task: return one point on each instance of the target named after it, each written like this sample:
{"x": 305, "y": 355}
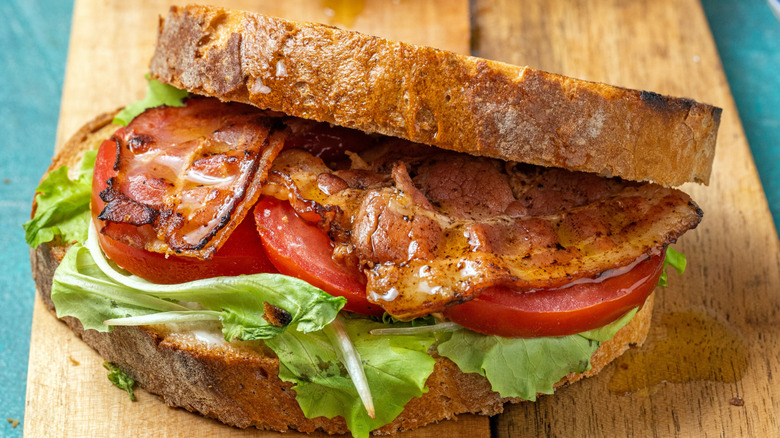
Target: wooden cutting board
{"x": 708, "y": 365}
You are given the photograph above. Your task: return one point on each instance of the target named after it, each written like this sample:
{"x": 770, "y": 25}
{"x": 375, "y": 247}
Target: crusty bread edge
{"x": 435, "y": 97}
{"x": 238, "y": 383}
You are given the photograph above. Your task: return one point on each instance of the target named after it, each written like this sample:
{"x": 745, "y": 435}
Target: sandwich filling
{"x": 463, "y": 224}
{"x": 419, "y": 229}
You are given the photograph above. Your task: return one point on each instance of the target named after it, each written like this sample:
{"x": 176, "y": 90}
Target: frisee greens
{"x": 81, "y": 289}
{"x": 157, "y": 94}
{"x": 62, "y": 209}
{"x": 120, "y": 379}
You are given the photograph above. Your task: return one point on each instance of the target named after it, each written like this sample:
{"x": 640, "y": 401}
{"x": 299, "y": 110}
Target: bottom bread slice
{"x": 238, "y": 383}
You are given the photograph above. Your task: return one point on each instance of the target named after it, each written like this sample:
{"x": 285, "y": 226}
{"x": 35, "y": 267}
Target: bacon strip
{"x": 441, "y": 227}
{"x": 191, "y": 173}
{"x": 525, "y": 253}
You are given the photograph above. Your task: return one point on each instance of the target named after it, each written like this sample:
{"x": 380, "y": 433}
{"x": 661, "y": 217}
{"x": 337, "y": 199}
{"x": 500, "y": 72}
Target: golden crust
{"x": 435, "y": 97}
{"x": 238, "y": 383}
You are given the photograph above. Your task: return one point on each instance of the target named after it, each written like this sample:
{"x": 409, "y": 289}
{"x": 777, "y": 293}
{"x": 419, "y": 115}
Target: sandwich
{"x": 309, "y": 228}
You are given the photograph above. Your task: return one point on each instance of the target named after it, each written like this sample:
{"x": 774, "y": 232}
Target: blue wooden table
{"x": 35, "y": 41}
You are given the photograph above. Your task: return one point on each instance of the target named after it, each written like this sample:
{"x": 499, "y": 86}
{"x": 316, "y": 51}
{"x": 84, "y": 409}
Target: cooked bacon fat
{"x": 433, "y": 228}
{"x": 191, "y": 173}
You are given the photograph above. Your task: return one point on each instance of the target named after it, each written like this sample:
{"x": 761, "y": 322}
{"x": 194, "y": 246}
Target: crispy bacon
{"x": 525, "y": 253}
{"x": 191, "y": 174}
{"x": 437, "y": 228}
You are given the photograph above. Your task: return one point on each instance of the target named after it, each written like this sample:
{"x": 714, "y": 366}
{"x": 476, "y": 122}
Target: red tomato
{"x": 559, "y": 312}
{"x": 241, "y": 254}
{"x": 300, "y": 249}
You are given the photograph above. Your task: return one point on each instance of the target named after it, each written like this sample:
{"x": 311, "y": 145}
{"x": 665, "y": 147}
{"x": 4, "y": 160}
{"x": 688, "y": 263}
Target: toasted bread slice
{"x": 238, "y": 384}
{"x": 435, "y": 97}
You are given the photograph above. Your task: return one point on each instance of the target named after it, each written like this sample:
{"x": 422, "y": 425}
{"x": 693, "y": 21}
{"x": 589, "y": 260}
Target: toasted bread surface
{"x": 237, "y": 383}
{"x": 435, "y": 97}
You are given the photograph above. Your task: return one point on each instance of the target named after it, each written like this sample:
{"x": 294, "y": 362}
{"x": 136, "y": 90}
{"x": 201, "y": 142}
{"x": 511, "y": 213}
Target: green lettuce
{"x": 62, "y": 205}
{"x": 396, "y": 368}
{"x": 519, "y": 367}
{"x": 81, "y": 289}
{"x": 157, "y": 94}
{"x": 120, "y": 379}
{"x": 674, "y": 259}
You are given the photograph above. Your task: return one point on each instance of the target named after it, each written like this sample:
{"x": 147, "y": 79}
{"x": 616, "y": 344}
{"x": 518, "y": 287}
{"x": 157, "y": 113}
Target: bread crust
{"x": 238, "y": 383}
{"x": 435, "y": 97}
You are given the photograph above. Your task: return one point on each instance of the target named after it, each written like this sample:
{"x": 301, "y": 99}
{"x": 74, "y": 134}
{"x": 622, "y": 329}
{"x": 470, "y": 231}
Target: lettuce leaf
{"x": 157, "y": 94}
{"x": 674, "y": 259}
{"x": 62, "y": 205}
{"x": 81, "y": 289}
{"x": 608, "y": 331}
{"x": 120, "y": 379}
{"x": 396, "y": 368}
{"x": 518, "y": 367}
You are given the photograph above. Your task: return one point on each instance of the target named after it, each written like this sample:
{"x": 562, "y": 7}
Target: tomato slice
{"x": 300, "y": 249}
{"x": 563, "y": 311}
{"x": 242, "y": 253}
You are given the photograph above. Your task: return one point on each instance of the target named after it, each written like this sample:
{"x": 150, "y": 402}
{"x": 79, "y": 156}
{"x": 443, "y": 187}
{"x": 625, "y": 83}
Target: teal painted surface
{"x": 748, "y": 38}
{"x": 34, "y": 40}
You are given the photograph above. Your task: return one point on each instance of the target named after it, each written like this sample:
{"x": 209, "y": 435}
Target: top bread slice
{"x": 435, "y": 97}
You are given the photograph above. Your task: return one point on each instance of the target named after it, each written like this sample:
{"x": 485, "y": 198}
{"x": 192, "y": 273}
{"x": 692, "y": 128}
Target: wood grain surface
{"x": 708, "y": 366}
